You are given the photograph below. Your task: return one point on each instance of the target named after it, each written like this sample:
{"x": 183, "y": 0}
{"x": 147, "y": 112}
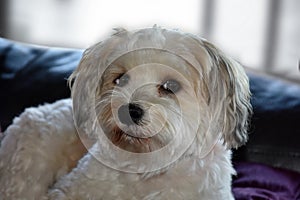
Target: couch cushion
{"x": 31, "y": 75}
{"x": 275, "y": 125}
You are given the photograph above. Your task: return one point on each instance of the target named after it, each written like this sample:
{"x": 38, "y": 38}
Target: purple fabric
{"x": 260, "y": 182}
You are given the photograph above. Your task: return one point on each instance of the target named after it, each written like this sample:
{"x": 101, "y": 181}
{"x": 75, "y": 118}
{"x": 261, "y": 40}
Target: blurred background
{"x": 263, "y": 35}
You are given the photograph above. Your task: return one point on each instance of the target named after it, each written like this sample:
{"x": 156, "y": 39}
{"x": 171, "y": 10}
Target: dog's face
{"x": 157, "y": 90}
{"x": 146, "y": 99}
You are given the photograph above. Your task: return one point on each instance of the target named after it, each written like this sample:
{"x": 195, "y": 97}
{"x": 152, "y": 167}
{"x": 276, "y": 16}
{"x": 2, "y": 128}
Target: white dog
{"x": 156, "y": 112}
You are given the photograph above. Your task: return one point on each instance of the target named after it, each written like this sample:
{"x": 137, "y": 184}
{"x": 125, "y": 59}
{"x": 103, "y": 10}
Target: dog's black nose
{"x": 130, "y": 114}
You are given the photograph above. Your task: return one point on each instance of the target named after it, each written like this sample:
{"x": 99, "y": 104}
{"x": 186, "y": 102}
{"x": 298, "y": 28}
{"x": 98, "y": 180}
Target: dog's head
{"x": 156, "y": 89}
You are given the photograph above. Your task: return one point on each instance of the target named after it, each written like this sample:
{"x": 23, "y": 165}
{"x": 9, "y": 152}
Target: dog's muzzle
{"x": 130, "y": 114}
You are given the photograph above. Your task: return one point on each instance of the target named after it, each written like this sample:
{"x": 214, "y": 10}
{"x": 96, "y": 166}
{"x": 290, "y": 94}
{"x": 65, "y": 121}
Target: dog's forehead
{"x": 155, "y": 60}
{"x": 188, "y": 47}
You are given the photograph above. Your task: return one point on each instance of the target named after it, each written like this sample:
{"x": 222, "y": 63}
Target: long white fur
{"x": 41, "y": 148}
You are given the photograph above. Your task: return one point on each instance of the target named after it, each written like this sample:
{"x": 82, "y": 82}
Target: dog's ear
{"x": 229, "y": 95}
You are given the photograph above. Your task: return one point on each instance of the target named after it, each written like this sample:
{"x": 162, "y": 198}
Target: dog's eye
{"x": 122, "y": 80}
{"x": 170, "y": 86}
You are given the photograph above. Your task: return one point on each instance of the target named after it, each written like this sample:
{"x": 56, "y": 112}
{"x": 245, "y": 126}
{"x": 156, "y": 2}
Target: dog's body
{"x": 192, "y": 178}
{"x": 163, "y": 135}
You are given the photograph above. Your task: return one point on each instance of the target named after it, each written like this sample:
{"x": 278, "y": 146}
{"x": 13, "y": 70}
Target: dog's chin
{"x": 134, "y": 144}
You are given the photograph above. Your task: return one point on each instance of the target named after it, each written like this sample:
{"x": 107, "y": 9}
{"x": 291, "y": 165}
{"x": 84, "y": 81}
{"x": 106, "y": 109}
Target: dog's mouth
{"x": 131, "y": 143}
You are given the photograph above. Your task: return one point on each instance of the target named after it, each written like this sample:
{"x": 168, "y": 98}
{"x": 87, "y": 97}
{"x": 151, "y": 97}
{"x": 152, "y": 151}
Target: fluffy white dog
{"x": 156, "y": 112}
